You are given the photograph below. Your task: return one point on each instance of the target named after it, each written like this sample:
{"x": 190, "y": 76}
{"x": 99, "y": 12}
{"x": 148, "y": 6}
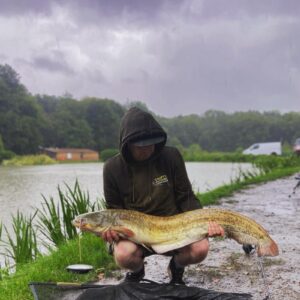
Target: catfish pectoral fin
{"x": 126, "y": 232}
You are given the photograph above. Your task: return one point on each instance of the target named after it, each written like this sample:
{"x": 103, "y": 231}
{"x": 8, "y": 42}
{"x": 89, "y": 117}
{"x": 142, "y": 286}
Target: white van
{"x": 264, "y": 149}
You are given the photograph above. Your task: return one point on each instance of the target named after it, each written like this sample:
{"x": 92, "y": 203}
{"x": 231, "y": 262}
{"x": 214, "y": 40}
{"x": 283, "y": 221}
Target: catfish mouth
{"x": 80, "y": 223}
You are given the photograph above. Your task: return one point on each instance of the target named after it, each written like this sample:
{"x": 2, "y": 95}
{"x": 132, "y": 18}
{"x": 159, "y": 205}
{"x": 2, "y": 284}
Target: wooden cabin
{"x": 71, "y": 154}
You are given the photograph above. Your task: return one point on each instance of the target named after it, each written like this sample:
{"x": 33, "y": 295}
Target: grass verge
{"x": 52, "y": 268}
{"x": 212, "y": 197}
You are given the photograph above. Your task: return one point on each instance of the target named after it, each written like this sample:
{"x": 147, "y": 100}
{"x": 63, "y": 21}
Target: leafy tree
{"x": 20, "y": 116}
{"x": 1, "y": 144}
{"x": 27, "y": 121}
{"x": 103, "y": 116}
{"x": 4, "y": 154}
{"x": 141, "y": 105}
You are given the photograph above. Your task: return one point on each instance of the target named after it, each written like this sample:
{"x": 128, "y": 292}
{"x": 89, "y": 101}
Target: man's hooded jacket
{"x": 157, "y": 186}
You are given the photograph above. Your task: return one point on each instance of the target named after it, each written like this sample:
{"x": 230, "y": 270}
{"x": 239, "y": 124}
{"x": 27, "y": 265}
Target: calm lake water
{"x": 21, "y": 188}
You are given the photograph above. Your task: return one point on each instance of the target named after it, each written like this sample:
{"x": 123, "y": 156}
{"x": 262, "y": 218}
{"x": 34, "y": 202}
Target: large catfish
{"x": 163, "y": 234}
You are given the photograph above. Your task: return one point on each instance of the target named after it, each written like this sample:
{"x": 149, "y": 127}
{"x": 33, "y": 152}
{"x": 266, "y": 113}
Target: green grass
{"x": 52, "y": 268}
{"x": 269, "y": 168}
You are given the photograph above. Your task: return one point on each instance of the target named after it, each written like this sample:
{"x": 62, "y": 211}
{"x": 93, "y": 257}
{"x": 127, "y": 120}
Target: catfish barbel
{"x": 164, "y": 234}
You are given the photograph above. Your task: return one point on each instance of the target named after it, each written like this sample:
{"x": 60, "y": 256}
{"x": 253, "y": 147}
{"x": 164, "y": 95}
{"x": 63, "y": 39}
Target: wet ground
{"x": 228, "y": 269}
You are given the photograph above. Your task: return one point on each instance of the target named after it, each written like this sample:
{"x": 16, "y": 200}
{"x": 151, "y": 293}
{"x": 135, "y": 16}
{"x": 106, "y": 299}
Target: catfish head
{"x": 96, "y": 222}
{"x": 101, "y": 221}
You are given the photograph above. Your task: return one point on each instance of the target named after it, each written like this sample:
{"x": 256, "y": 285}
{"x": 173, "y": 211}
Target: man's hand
{"x": 110, "y": 236}
{"x": 214, "y": 229}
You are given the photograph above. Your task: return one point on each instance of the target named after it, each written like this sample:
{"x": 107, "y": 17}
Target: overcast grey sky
{"x": 179, "y": 57}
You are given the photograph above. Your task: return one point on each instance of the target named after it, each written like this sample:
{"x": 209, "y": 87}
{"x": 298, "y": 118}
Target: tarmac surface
{"x": 228, "y": 269}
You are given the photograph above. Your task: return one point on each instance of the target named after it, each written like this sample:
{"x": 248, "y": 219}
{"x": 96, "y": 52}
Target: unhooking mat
{"x": 128, "y": 291}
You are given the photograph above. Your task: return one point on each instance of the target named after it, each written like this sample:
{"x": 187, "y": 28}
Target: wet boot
{"x": 135, "y": 276}
{"x": 248, "y": 248}
{"x": 175, "y": 273}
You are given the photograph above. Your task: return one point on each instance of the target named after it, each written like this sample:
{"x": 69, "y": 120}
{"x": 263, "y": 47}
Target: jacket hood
{"x": 137, "y": 124}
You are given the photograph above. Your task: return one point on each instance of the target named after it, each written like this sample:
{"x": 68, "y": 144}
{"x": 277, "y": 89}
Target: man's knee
{"x": 200, "y": 247}
{"x": 198, "y": 251}
{"x": 124, "y": 251}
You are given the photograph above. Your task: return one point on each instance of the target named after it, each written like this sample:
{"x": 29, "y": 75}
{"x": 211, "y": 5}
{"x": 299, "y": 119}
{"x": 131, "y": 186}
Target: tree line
{"x": 28, "y": 122}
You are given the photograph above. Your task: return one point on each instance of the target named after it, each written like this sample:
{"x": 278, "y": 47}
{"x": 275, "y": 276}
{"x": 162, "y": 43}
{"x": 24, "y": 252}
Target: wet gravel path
{"x": 228, "y": 269}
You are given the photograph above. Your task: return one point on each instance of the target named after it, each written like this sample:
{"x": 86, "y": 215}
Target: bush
{"x": 6, "y": 154}
{"x": 194, "y": 155}
{"x": 28, "y": 160}
{"x": 108, "y": 153}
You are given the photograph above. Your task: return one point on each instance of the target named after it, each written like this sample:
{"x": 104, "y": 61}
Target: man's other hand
{"x": 214, "y": 229}
{"x": 110, "y": 236}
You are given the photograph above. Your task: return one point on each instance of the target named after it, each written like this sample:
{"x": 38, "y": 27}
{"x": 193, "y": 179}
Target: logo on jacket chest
{"x": 163, "y": 179}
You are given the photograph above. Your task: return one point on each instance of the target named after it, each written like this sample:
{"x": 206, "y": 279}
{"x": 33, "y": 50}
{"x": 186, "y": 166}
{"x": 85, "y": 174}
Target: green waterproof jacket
{"x": 157, "y": 186}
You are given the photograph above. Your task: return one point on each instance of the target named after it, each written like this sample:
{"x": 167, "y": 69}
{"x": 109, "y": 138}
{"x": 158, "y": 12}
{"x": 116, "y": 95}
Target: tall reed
{"x": 4, "y": 272}
{"x": 49, "y": 222}
{"x": 55, "y": 219}
{"x": 1, "y": 268}
{"x": 21, "y": 245}
{"x": 246, "y": 174}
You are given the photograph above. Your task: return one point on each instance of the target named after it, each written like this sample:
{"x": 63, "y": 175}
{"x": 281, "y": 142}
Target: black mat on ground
{"x": 127, "y": 291}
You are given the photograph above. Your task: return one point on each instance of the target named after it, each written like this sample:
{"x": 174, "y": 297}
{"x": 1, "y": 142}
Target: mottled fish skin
{"x": 168, "y": 233}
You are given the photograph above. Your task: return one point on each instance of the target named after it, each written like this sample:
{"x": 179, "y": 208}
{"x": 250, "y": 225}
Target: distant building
{"x": 71, "y": 154}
